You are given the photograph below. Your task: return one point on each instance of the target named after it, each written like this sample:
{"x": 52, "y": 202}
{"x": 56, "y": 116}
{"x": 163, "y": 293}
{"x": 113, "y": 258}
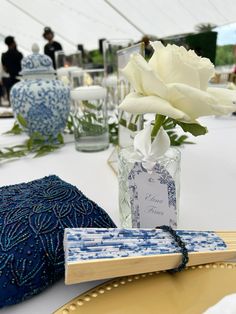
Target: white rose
{"x": 177, "y": 65}
{"x": 174, "y": 83}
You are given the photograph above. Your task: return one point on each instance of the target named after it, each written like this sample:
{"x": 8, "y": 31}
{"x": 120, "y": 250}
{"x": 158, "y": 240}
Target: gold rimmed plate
{"x": 189, "y": 292}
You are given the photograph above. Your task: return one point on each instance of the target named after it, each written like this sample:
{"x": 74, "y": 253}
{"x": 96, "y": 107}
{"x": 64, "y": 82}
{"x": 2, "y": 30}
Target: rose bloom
{"x": 174, "y": 83}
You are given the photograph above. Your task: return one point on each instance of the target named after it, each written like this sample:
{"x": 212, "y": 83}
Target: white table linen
{"x": 208, "y": 189}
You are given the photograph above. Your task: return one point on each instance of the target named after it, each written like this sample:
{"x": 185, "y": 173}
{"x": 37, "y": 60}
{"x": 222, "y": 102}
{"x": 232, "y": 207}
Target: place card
{"x": 152, "y": 197}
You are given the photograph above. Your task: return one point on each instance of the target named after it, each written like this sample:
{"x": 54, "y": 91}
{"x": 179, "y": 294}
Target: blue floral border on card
{"x": 165, "y": 178}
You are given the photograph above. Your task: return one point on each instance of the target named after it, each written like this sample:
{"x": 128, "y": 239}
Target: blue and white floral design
{"x": 36, "y": 63}
{"x": 92, "y": 243}
{"x": 39, "y": 98}
{"x": 44, "y": 104}
{"x": 164, "y": 178}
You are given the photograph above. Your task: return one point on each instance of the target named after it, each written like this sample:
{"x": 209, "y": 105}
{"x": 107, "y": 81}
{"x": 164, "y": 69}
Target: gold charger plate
{"x": 189, "y": 292}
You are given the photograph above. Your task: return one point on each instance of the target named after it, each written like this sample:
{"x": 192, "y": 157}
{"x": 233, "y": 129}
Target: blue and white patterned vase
{"x": 41, "y": 99}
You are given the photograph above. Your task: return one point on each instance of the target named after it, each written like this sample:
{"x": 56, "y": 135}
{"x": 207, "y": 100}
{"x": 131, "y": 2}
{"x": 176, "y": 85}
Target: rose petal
{"x": 171, "y": 66}
{"x": 205, "y": 74}
{"x": 142, "y": 77}
{"x": 203, "y": 66}
{"x": 157, "y": 45}
{"x": 136, "y": 103}
{"x": 193, "y": 102}
{"x": 226, "y": 99}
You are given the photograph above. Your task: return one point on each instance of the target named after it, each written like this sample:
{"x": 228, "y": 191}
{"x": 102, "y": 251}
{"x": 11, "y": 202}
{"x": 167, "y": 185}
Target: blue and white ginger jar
{"x": 41, "y": 99}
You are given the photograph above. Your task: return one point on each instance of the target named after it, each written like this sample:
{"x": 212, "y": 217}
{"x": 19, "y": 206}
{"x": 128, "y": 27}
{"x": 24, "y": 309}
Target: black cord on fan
{"x": 180, "y": 244}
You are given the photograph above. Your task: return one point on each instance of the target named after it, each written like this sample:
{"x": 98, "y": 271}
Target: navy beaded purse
{"x": 33, "y": 217}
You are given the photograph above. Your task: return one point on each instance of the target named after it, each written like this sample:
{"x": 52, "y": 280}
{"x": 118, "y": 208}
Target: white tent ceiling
{"x": 85, "y": 21}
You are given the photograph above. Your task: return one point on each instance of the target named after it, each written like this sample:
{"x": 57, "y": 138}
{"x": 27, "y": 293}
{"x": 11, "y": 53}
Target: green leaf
{"x": 29, "y": 143}
{"x": 60, "y": 138}
{"x": 113, "y": 133}
{"x": 36, "y": 143}
{"x": 37, "y": 136}
{"x": 19, "y": 153}
{"x": 89, "y": 105}
{"x": 123, "y": 122}
{"x": 193, "y": 128}
{"x": 13, "y": 152}
{"x": 44, "y": 150}
{"x": 16, "y": 129}
{"x": 20, "y": 146}
{"x": 176, "y": 140}
{"x": 182, "y": 138}
{"x": 136, "y": 118}
{"x": 22, "y": 120}
{"x": 9, "y": 149}
{"x": 132, "y": 127}
{"x": 70, "y": 124}
{"x": 169, "y": 124}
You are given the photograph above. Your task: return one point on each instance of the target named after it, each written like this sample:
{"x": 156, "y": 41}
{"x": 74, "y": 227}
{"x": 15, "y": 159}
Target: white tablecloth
{"x": 208, "y": 189}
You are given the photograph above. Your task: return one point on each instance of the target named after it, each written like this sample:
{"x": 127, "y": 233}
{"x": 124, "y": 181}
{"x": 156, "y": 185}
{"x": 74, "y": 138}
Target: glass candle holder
{"x": 68, "y": 60}
{"x": 64, "y": 74}
{"x": 128, "y": 123}
{"x": 93, "y": 77}
{"x": 60, "y": 59}
{"x": 90, "y": 118}
{"x": 87, "y": 77}
{"x": 74, "y": 59}
{"x": 76, "y": 78}
{"x": 110, "y": 49}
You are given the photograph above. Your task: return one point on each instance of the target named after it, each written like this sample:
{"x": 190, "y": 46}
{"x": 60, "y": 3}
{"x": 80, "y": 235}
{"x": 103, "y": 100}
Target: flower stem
{"x": 159, "y": 120}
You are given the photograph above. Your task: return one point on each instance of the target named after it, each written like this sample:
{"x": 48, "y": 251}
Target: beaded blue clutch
{"x": 33, "y": 217}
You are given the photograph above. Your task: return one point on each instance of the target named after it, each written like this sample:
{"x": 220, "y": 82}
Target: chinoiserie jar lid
{"x": 36, "y": 63}
{"x": 88, "y": 93}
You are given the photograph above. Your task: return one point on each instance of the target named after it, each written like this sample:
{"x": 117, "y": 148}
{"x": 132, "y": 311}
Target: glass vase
{"x": 148, "y": 192}
{"x": 90, "y": 118}
{"x": 128, "y": 124}
{"x": 110, "y": 50}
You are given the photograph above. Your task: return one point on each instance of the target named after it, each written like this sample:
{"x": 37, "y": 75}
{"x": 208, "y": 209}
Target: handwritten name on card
{"x": 152, "y": 197}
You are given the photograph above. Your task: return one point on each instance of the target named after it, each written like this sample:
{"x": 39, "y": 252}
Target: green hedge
{"x": 225, "y": 55}
{"x": 204, "y": 44}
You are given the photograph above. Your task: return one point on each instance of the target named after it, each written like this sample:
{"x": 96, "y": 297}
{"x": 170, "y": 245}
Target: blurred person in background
{"x": 11, "y": 64}
{"x": 52, "y": 45}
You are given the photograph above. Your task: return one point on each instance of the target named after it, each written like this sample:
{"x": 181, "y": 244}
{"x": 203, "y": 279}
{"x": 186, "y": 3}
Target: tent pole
{"x": 125, "y": 17}
{"x": 39, "y": 22}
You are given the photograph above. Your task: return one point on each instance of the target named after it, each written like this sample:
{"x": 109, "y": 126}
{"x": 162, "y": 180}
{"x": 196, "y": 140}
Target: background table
{"x": 208, "y": 189}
